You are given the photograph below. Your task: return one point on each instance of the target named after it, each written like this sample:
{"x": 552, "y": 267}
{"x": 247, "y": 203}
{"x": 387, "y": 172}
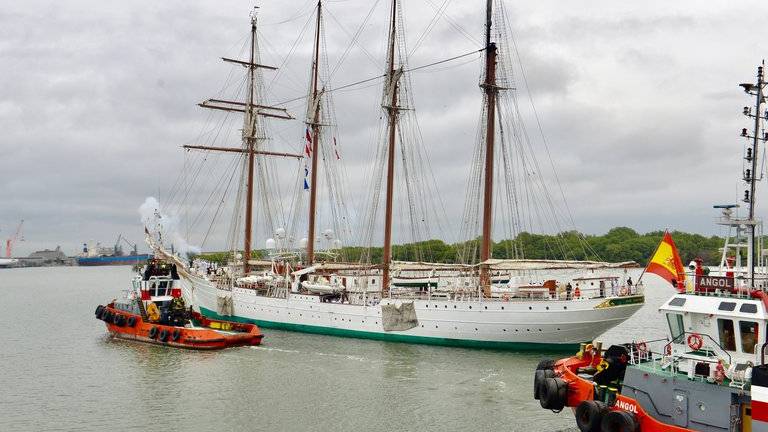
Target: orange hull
{"x": 209, "y": 335}
{"x": 580, "y": 390}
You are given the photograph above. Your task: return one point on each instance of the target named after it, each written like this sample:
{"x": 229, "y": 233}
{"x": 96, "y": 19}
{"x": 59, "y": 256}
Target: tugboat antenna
{"x": 751, "y": 176}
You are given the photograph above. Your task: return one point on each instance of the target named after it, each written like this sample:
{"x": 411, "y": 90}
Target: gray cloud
{"x": 639, "y": 103}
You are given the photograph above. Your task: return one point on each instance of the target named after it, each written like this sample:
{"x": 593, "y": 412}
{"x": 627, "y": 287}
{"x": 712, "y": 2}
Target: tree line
{"x": 617, "y": 245}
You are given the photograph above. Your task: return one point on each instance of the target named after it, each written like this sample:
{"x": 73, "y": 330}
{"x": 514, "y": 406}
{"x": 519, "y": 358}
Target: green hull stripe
{"x": 396, "y": 337}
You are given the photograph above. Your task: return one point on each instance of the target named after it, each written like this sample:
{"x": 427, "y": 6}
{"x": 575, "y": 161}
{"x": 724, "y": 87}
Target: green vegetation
{"x": 617, "y": 245}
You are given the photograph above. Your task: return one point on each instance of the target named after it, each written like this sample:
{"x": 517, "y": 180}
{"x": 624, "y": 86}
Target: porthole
{"x": 435, "y": 326}
{"x": 475, "y": 328}
{"x": 547, "y": 307}
{"x": 502, "y": 308}
{"x": 470, "y": 307}
{"x": 565, "y": 307}
{"x": 530, "y": 308}
{"x": 486, "y": 307}
{"x": 446, "y": 306}
{"x": 505, "y": 329}
{"x": 454, "y": 306}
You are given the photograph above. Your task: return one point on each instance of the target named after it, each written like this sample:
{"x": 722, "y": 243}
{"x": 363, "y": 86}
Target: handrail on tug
{"x": 678, "y": 339}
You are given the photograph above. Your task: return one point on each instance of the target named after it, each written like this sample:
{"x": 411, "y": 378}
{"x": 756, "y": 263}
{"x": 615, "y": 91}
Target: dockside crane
{"x": 17, "y": 236}
{"x": 134, "y": 247}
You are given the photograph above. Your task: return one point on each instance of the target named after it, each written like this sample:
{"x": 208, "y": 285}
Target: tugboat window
{"x": 748, "y": 308}
{"x": 727, "y": 306}
{"x": 677, "y": 301}
{"x": 676, "y": 327}
{"x": 748, "y": 332}
{"x": 727, "y": 338}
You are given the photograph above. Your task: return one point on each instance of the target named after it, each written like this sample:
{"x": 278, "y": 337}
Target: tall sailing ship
{"x": 483, "y": 302}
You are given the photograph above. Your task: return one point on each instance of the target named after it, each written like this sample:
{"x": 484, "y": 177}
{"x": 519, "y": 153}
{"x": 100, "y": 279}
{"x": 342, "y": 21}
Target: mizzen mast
{"x": 314, "y": 123}
{"x": 252, "y": 110}
{"x": 390, "y": 105}
{"x": 491, "y": 90}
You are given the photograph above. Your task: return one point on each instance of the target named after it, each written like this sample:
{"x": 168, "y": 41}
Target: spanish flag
{"x": 667, "y": 264}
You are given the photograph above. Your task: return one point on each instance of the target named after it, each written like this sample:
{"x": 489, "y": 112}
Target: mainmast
{"x": 314, "y": 122}
{"x": 390, "y": 92}
{"x": 491, "y": 90}
{"x": 751, "y": 176}
{"x": 249, "y": 138}
{"x": 252, "y": 109}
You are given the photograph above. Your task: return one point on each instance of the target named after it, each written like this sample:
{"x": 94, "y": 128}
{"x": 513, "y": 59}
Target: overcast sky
{"x": 639, "y": 101}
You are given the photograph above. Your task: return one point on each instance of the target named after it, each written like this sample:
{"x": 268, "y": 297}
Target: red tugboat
{"x": 153, "y": 311}
{"x": 709, "y": 374}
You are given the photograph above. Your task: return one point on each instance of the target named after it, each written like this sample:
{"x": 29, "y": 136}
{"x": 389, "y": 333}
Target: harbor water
{"x": 62, "y": 372}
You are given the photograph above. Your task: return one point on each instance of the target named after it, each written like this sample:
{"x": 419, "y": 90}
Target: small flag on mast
{"x": 306, "y": 174}
{"x": 666, "y": 263}
{"x": 308, "y": 144}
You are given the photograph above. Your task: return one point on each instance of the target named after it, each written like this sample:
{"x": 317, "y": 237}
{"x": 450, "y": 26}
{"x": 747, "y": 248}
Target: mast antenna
{"x": 751, "y": 176}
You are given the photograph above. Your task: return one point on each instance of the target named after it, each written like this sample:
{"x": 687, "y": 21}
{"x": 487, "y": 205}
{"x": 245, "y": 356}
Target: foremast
{"x": 751, "y": 176}
{"x": 490, "y": 90}
{"x": 252, "y": 134}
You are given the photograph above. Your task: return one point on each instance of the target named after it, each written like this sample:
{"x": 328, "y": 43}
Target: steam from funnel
{"x": 165, "y": 228}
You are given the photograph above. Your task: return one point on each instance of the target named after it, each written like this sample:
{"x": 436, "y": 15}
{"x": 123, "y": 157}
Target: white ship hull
{"x": 517, "y": 324}
{"x": 8, "y": 262}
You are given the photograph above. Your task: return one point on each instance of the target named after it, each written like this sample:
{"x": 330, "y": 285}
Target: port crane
{"x": 17, "y": 236}
{"x": 134, "y": 247}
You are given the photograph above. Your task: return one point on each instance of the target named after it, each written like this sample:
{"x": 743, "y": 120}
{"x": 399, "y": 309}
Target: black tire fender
{"x": 619, "y": 421}
{"x": 589, "y": 415}
{"x": 153, "y": 332}
{"x": 553, "y": 393}
{"x": 176, "y": 335}
{"x": 131, "y": 321}
{"x": 99, "y": 311}
{"x": 539, "y": 376}
{"x": 546, "y": 364}
{"x": 163, "y": 335}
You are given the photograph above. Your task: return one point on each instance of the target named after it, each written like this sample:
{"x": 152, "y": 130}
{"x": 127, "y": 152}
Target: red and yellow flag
{"x": 667, "y": 264}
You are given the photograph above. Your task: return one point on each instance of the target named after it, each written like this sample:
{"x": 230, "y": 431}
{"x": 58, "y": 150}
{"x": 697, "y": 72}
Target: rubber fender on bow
{"x": 539, "y": 376}
{"x": 153, "y": 332}
{"x": 589, "y": 415}
{"x": 553, "y": 394}
{"x": 619, "y": 421}
{"x": 546, "y": 364}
